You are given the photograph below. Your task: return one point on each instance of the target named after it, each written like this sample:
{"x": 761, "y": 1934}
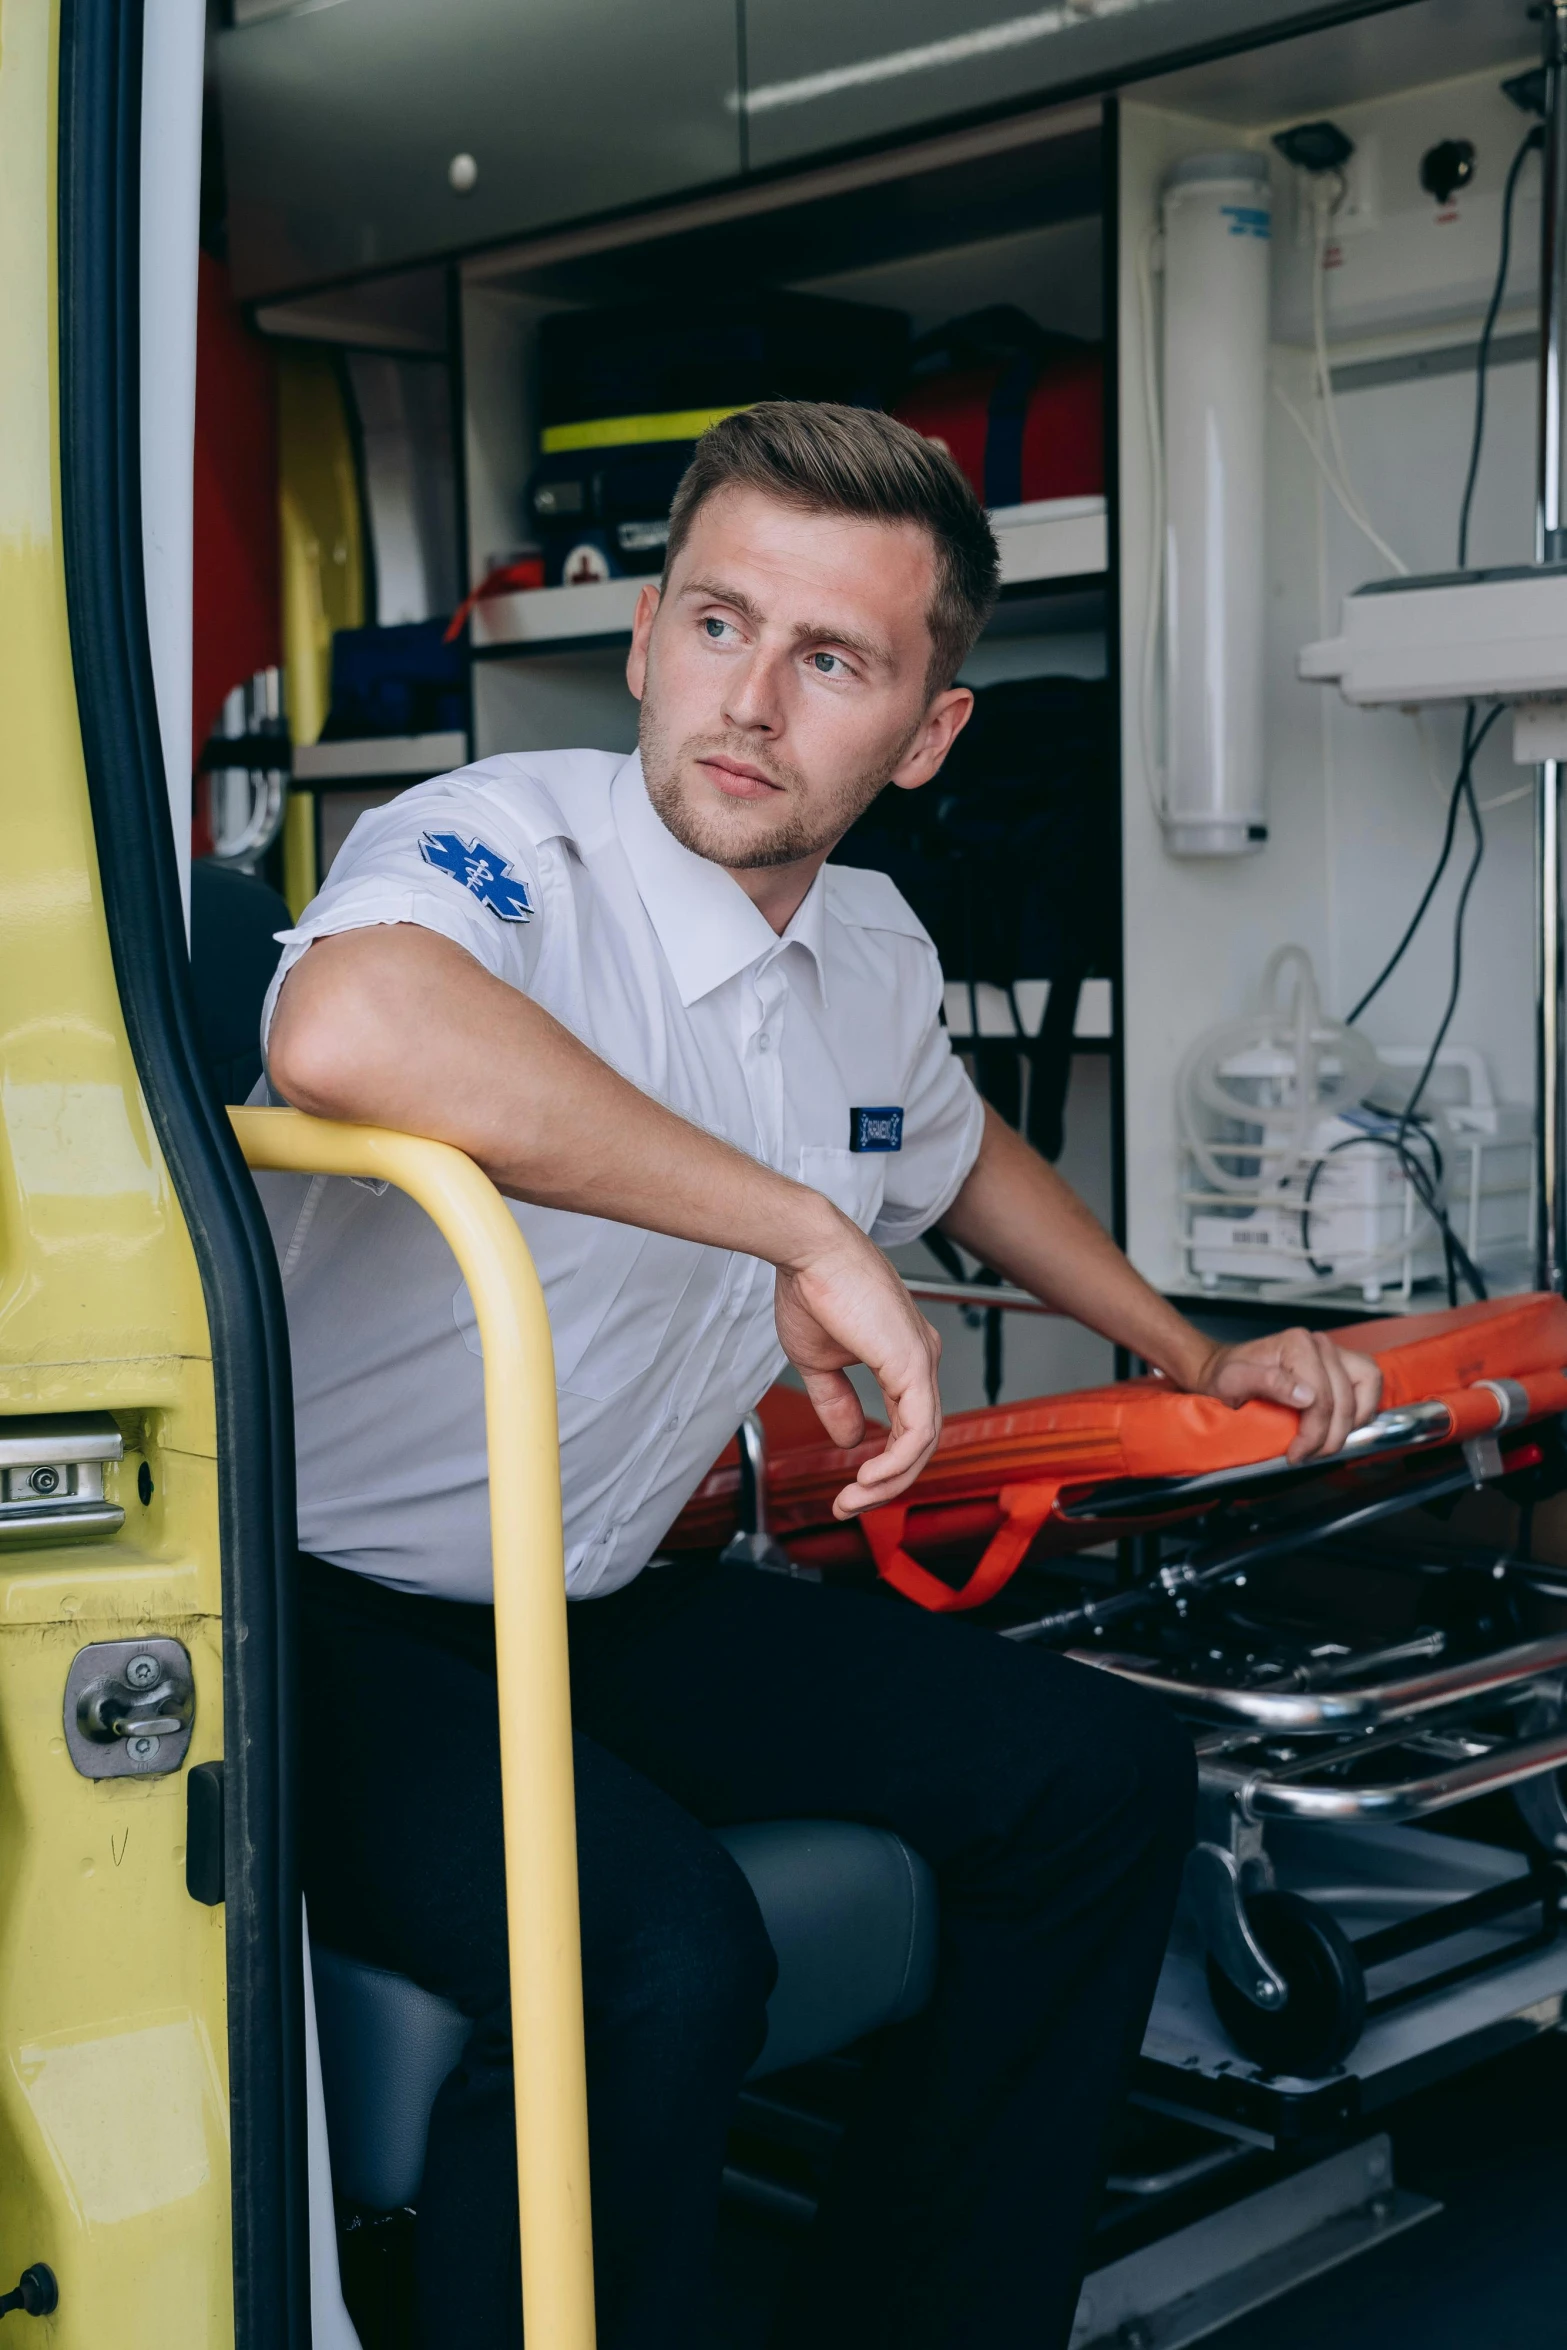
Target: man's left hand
{"x": 1332, "y": 1388}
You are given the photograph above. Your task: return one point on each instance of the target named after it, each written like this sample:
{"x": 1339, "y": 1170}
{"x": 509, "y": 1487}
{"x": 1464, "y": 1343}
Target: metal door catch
{"x": 129, "y": 1708}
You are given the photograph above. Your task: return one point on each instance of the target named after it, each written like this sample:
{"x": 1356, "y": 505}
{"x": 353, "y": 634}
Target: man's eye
{"x": 714, "y": 627}
{"x": 827, "y": 664}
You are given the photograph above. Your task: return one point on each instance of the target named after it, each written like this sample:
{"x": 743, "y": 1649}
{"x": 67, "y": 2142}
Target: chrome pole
{"x": 1551, "y": 547}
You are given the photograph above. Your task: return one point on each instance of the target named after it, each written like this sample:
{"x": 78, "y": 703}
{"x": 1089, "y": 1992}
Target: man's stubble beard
{"x": 799, "y": 834}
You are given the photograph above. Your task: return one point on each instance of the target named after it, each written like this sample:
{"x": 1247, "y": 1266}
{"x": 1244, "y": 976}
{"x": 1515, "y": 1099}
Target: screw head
{"x": 45, "y": 1480}
{"x": 142, "y": 1747}
{"x": 462, "y": 175}
{"x": 142, "y": 1671}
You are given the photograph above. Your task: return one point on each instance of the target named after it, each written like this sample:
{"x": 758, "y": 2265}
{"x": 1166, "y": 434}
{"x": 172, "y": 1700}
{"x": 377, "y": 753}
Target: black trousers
{"x": 1053, "y": 1802}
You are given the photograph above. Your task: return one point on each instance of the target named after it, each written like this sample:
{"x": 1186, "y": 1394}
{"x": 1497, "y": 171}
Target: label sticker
{"x": 876, "y": 1130}
{"x": 479, "y": 869}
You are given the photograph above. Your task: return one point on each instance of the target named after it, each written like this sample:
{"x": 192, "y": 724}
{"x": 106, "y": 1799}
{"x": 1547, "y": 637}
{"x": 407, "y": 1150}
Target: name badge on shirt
{"x": 479, "y": 869}
{"x": 875, "y": 1130}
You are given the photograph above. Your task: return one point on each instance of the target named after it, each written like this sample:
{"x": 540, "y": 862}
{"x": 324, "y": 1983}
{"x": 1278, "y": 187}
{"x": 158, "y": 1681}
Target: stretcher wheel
{"x": 1326, "y": 2009}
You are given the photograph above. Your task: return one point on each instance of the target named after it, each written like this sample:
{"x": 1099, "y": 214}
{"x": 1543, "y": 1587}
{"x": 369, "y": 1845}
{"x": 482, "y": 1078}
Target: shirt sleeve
{"x": 943, "y": 1122}
{"x": 445, "y": 857}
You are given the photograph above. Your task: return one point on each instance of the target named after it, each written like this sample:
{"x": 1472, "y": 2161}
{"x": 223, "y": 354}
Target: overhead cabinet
{"x": 822, "y": 74}
{"x": 375, "y": 132}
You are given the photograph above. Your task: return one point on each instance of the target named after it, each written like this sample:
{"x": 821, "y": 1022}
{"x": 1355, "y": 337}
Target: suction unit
{"x": 1217, "y": 217}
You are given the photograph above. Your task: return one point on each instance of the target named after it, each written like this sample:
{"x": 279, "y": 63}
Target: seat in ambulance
{"x": 850, "y": 1910}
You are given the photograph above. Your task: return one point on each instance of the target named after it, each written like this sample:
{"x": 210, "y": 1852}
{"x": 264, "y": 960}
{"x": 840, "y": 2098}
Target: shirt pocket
{"x": 852, "y": 1180}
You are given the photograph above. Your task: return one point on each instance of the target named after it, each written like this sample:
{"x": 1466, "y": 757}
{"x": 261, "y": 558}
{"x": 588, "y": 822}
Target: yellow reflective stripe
{"x": 615, "y": 432}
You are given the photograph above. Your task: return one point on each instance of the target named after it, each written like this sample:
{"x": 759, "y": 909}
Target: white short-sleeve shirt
{"x": 820, "y": 1053}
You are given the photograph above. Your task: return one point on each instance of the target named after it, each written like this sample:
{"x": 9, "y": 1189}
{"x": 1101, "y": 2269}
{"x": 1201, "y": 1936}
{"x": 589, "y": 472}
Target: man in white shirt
{"x": 710, "y": 1072}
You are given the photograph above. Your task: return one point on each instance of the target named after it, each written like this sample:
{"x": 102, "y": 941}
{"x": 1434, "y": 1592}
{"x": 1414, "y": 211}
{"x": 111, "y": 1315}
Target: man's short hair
{"x": 855, "y": 461}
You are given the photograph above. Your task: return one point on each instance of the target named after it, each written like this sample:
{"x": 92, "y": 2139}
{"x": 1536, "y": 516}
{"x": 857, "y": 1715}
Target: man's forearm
{"x": 1018, "y": 1216}
{"x": 355, "y": 1037}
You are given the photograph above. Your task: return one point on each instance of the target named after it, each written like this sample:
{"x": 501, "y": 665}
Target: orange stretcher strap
{"x": 1024, "y": 1509}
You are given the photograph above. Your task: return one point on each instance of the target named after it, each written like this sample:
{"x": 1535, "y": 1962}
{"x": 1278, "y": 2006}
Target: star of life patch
{"x": 480, "y": 869}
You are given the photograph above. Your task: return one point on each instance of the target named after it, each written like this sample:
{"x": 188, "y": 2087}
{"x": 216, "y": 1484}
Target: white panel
{"x": 1356, "y": 798}
{"x": 172, "y": 41}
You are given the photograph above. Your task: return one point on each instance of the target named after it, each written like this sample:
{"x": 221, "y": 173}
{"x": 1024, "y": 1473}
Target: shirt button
{"x": 763, "y": 1041}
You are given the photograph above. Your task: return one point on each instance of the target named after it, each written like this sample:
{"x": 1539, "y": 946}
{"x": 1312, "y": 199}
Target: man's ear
{"x": 641, "y": 631}
{"x": 938, "y": 730}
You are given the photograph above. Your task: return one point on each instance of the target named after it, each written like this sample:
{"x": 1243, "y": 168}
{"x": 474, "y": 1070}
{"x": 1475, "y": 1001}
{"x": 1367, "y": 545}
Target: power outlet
{"x": 1359, "y": 208}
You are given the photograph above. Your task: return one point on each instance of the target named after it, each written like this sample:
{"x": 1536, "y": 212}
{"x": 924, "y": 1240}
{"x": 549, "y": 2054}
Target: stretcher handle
{"x": 1024, "y": 1509}
{"x": 528, "y": 1548}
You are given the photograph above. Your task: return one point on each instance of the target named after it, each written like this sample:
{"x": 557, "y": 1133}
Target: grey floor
{"x": 1490, "y": 2273}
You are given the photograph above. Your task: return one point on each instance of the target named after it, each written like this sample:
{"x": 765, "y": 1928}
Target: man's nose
{"x": 753, "y": 695}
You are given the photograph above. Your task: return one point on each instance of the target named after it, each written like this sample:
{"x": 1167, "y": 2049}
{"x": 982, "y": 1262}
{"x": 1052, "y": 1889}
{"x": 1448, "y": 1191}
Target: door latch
{"x": 129, "y": 1708}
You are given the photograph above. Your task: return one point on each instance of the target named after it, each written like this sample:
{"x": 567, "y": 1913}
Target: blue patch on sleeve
{"x": 875, "y": 1130}
{"x": 479, "y": 869}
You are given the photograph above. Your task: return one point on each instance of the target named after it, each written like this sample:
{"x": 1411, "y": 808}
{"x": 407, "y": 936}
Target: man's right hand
{"x": 840, "y": 1302}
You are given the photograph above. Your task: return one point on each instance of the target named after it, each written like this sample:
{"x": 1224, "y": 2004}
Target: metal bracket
{"x": 51, "y": 1478}
{"x": 1218, "y": 1879}
{"x": 753, "y": 1546}
{"x": 130, "y": 1706}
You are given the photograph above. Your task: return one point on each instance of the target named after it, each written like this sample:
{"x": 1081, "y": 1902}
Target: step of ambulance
{"x": 850, "y": 1912}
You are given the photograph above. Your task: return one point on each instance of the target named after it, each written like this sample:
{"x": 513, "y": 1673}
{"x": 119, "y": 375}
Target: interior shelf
{"x": 377, "y": 757}
{"x": 1055, "y": 539}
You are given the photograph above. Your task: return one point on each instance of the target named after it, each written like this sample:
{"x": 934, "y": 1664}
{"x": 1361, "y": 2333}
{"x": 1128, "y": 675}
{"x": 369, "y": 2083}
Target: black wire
{"x": 1466, "y": 786}
{"x": 1473, "y": 738}
{"x": 1458, "y": 1263}
{"x": 1534, "y": 138}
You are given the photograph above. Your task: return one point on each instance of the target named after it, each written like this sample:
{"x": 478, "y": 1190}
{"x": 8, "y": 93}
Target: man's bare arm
{"x": 1017, "y": 1215}
{"x": 395, "y": 1026}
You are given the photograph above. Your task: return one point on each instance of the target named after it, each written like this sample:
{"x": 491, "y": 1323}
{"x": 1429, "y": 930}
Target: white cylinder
{"x": 1217, "y": 217}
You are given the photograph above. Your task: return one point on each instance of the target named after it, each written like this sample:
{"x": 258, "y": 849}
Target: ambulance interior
{"x": 1359, "y": 2027}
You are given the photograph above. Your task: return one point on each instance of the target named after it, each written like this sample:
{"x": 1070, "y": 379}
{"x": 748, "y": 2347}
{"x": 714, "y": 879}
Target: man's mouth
{"x": 737, "y": 781}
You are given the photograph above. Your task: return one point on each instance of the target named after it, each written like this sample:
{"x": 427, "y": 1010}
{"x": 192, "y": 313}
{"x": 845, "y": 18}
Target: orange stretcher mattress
{"x": 999, "y": 1475}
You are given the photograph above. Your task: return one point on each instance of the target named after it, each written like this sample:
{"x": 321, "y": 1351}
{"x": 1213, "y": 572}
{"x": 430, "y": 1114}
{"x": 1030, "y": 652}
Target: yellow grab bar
{"x": 535, "y": 1687}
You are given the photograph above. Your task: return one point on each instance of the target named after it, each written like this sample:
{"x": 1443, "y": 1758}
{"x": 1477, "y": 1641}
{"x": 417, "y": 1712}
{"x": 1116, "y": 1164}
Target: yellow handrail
{"x": 535, "y": 1689}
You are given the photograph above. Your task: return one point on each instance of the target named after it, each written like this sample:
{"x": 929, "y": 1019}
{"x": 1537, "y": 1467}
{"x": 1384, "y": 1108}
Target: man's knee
{"x": 697, "y": 1968}
{"x": 1112, "y": 1775}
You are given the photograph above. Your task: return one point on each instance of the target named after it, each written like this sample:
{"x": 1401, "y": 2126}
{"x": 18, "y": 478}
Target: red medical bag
{"x": 1020, "y": 411}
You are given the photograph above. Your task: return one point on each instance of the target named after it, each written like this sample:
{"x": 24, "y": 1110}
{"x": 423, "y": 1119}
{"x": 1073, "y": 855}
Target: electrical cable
{"x": 1466, "y": 787}
{"x": 1532, "y": 139}
{"x": 1342, "y": 491}
{"x": 1338, "y": 474}
{"x": 1473, "y": 738}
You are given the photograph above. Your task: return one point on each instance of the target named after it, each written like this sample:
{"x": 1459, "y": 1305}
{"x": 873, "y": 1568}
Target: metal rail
{"x": 976, "y": 1293}
{"x": 1294, "y": 1709}
{"x": 1550, "y": 546}
{"x": 535, "y": 1690}
{"x": 1259, "y": 1797}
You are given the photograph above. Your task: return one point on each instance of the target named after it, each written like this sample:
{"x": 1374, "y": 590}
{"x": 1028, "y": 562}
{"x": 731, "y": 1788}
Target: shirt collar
{"x": 707, "y": 926}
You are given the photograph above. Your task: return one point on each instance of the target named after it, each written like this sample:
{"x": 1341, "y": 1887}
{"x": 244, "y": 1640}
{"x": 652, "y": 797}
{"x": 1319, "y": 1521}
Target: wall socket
{"x": 1359, "y": 208}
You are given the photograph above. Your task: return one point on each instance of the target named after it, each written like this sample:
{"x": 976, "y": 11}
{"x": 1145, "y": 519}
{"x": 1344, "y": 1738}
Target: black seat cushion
{"x": 850, "y": 1911}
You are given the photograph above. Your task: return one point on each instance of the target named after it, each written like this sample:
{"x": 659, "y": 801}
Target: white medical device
{"x": 1298, "y": 1182}
{"x": 1217, "y": 217}
{"x": 1460, "y": 636}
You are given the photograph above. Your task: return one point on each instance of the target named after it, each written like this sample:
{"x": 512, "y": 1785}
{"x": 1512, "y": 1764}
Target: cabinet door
{"x": 825, "y": 73}
{"x": 341, "y": 122}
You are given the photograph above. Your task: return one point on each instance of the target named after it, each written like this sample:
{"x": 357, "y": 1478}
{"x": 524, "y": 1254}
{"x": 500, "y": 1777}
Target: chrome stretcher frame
{"x": 1435, "y": 1715}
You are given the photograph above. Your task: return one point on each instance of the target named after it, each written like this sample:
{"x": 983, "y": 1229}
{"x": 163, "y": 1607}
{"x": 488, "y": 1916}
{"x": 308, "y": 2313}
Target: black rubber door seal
{"x": 99, "y": 182}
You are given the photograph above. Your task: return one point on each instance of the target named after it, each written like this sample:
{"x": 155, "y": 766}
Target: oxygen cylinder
{"x": 1216, "y": 217}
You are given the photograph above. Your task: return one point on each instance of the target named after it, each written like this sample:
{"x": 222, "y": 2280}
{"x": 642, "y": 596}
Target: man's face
{"x": 784, "y": 678}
